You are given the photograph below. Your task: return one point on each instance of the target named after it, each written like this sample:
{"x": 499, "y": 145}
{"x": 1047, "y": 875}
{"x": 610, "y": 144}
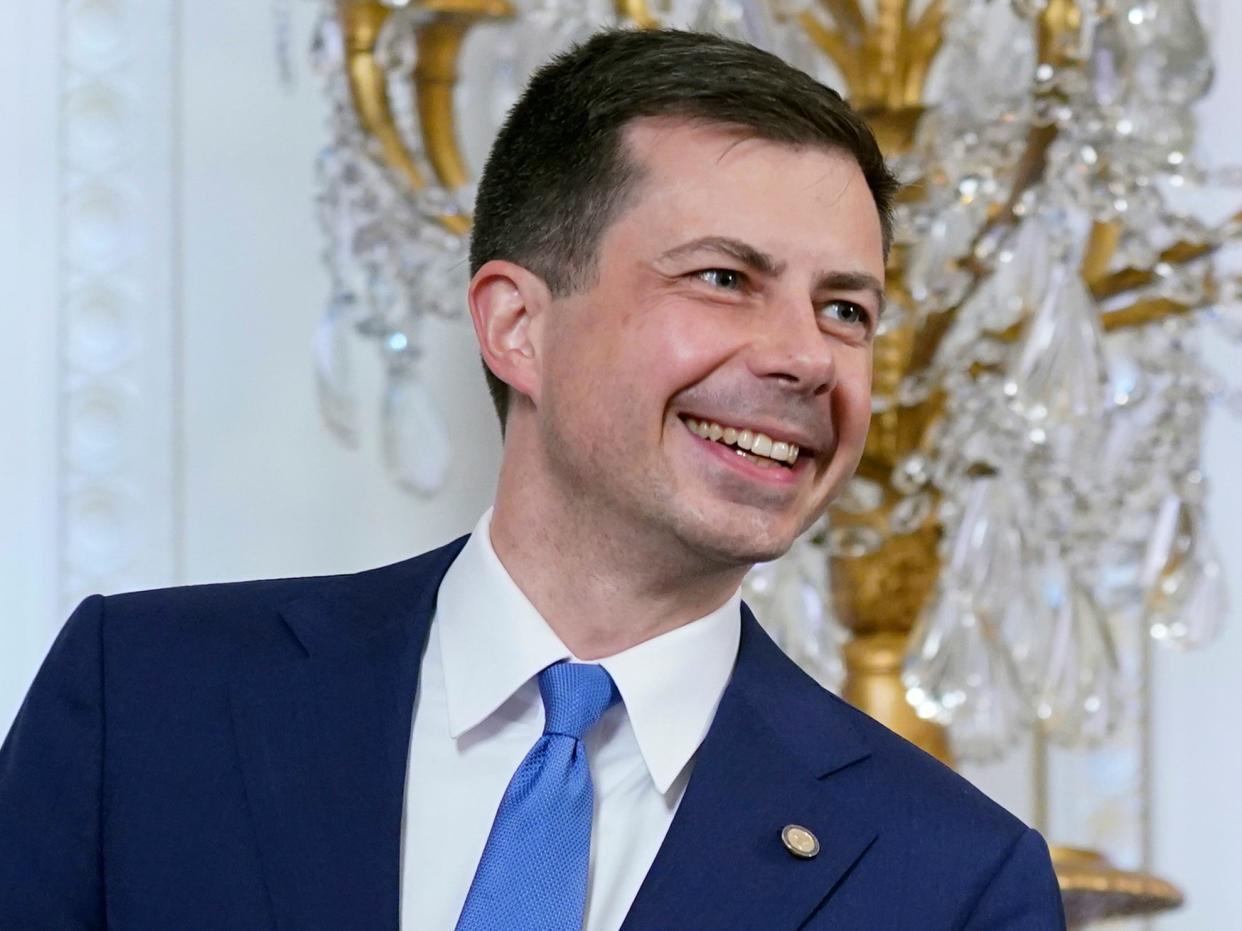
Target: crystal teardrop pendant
{"x": 328, "y": 44}
{"x": 338, "y": 401}
{"x": 932, "y": 274}
{"x": 1186, "y": 601}
{"x": 986, "y": 549}
{"x": 1026, "y": 275}
{"x": 417, "y": 449}
{"x": 1110, "y": 65}
{"x": 958, "y": 674}
{"x": 1176, "y": 60}
{"x": 1196, "y": 615}
{"x": 1078, "y": 697}
{"x": 1058, "y": 373}
{"x": 959, "y": 670}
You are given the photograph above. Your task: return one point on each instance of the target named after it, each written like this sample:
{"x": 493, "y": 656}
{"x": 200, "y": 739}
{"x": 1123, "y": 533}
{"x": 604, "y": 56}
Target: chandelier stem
{"x": 1040, "y": 809}
{"x": 873, "y": 683}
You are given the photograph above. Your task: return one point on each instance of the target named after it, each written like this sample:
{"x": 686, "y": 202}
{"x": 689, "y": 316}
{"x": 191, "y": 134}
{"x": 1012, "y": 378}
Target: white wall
{"x": 236, "y": 477}
{"x": 266, "y": 490}
{"x": 28, "y": 402}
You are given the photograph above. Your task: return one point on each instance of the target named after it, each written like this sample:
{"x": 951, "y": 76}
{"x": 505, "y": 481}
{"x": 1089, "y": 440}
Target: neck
{"x": 602, "y": 586}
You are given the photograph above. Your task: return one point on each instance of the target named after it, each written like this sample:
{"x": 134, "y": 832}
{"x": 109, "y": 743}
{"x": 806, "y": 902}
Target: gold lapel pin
{"x": 799, "y": 841}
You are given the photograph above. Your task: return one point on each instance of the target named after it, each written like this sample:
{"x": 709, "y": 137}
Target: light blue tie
{"x": 533, "y": 872}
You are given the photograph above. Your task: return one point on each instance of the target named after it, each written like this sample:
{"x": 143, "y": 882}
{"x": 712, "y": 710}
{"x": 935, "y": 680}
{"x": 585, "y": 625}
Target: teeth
{"x": 760, "y": 447}
{"x": 762, "y": 461}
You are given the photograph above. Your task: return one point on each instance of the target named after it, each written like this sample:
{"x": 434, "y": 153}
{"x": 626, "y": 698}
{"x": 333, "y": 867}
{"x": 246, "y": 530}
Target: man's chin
{"x": 741, "y": 550}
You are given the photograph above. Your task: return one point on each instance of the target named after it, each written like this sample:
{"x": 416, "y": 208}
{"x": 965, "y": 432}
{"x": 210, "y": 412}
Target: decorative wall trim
{"x": 117, "y": 239}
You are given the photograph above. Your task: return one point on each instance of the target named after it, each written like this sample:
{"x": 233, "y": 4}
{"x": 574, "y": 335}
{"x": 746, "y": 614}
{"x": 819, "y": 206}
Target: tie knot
{"x": 575, "y": 696}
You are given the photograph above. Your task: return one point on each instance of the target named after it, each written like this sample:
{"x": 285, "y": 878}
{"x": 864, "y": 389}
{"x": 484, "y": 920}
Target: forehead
{"x": 697, "y": 179}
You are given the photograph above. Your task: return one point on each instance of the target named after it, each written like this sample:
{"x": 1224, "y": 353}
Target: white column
{"x": 116, "y": 264}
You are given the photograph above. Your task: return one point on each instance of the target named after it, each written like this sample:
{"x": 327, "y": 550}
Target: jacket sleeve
{"x": 51, "y": 873}
{"x": 1023, "y": 894}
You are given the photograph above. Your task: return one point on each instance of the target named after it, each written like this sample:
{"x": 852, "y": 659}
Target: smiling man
{"x": 737, "y": 288}
{"x": 567, "y": 719}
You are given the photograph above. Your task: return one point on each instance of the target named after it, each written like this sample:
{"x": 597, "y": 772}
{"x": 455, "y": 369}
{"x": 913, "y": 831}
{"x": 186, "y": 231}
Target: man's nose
{"x": 790, "y": 348}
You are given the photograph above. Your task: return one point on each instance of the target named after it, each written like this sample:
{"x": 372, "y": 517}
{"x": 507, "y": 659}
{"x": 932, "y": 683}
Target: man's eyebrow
{"x": 853, "y": 281}
{"x": 743, "y": 252}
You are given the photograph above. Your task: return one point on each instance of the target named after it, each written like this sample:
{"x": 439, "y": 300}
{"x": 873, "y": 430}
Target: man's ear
{"x": 507, "y": 305}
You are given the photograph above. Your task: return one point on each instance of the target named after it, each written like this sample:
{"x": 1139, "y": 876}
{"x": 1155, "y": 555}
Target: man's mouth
{"x": 752, "y": 445}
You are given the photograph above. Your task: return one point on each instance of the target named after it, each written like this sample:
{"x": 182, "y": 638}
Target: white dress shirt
{"x": 478, "y": 712}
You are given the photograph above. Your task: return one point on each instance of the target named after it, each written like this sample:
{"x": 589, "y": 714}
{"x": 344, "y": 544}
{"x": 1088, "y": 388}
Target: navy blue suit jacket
{"x": 234, "y": 756}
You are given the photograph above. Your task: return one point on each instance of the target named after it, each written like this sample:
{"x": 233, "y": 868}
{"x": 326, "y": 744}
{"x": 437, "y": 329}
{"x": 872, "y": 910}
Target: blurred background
{"x": 159, "y": 422}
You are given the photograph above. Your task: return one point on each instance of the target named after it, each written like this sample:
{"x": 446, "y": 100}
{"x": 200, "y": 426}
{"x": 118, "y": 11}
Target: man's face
{"x": 739, "y": 289}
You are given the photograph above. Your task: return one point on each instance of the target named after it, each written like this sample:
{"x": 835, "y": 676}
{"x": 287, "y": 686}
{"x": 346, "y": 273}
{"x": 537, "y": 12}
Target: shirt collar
{"x": 493, "y": 641}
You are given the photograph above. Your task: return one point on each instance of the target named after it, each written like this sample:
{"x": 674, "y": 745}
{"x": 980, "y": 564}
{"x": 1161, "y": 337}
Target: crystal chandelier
{"x": 1031, "y": 487}
{"x": 1032, "y": 475}
{"x": 1039, "y": 401}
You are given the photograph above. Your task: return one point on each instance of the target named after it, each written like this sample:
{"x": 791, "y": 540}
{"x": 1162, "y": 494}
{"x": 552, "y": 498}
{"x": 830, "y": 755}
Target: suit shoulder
{"x": 925, "y": 790}
{"x": 219, "y": 619}
{"x": 217, "y": 611}
{"x": 211, "y": 597}
{"x": 988, "y": 864}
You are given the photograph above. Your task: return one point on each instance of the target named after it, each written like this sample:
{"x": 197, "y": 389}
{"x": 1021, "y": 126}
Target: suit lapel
{"x": 323, "y": 743}
{"x": 771, "y": 758}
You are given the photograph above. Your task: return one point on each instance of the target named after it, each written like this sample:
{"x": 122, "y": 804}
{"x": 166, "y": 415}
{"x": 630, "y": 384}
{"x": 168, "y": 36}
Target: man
{"x": 678, "y": 271}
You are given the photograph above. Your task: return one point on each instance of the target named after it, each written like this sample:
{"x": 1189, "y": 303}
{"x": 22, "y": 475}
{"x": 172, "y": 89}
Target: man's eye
{"x": 846, "y": 312}
{"x": 725, "y": 278}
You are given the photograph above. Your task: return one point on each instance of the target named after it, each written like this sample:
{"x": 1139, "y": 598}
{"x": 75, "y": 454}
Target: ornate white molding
{"x": 117, "y": 297}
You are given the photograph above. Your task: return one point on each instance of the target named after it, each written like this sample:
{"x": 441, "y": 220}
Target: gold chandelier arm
{"x": 439, "y": 46}
{"x": 1030, "y": 167}
{"x": 883, "y": 49}
{"x": 638, "y": 13}
{"x": 361, "y": 21}
{"x": 923, "y": 43}
{"x": 1101, "y": 247}
{"x": 1141, "y": 313}
{"x": 901, "y": 52}
{"x": 1059, "y": 24}
{"x": 883, "y": 61}
{"x": 848, "y": 16}
{"x": 833, "y": 44}
{"x": 1154, "y": 309}
{"x": 1129, "y": 279}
